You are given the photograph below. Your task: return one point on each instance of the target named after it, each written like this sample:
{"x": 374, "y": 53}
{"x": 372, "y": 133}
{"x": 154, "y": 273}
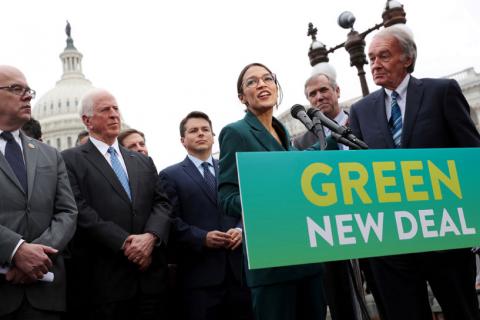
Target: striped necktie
{"x": 395, "y": 122}
{"x": 118, "y": 169}
{"x": 209, "y": 178}
{"x": 14, "y": 157}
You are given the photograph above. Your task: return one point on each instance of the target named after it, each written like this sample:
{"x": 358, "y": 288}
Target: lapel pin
{"x": 31, "y": 146}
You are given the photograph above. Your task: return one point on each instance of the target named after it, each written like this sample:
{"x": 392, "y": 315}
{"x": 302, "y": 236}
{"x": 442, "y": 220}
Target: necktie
{"x": 14, "y": 156}
{"x": 210, "y": 180}
{"x": 395, "y": 122}
{"x": 118, "y": 169}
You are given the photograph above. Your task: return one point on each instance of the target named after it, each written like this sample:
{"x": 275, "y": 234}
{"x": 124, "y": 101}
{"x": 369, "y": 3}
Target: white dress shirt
{"x": 401, "y": 100}
{"x": 103, "y": 148}
{"x": 198, "y": 163}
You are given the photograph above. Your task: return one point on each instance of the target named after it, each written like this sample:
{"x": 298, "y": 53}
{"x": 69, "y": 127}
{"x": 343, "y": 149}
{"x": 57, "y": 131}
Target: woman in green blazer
{"x": 282, "y": 293}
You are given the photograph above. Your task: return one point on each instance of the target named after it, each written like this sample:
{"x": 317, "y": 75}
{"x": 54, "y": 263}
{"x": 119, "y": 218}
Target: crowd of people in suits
{"x": 95, "y": 232}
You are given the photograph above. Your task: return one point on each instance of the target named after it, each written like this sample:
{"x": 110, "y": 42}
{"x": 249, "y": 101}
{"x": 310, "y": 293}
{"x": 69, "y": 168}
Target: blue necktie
{"x": 14, "y": 156}
{"x": 210, "y": 180}
{"x": 118, "y": 169}
{"x": 395, "y": 122}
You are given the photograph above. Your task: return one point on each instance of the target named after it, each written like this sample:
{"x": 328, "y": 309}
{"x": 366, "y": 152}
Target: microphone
{"x": 344, "y": 141}
{"x": 298, "y": 112}
{"x": 335, "y": 127}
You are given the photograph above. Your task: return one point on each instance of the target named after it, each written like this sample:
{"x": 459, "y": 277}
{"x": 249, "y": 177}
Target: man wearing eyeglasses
{"x": 37, "y": 211}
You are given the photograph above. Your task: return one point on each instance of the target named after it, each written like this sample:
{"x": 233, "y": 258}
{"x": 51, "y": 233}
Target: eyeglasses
{"x": 253, "y": 82}
{"x": 19, "y": 90}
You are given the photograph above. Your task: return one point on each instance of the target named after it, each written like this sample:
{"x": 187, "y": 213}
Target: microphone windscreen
{"x": 295, "y": 109}
{"x": 311, "y": 112}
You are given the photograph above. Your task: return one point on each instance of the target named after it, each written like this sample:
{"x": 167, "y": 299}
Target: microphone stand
{"x": 317, "y": 129}
{"x": 346, "y": 133}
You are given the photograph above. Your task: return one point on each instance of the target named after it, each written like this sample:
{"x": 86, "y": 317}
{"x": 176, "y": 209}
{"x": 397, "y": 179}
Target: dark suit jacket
{"x": 196, "y": 213}
{"x": 437, "y": 115}
{"x": 106, "y": 218}
{"x": 308, "y": 139}
{"x": 46, "y": 215}
{"x": 249, "y": 134}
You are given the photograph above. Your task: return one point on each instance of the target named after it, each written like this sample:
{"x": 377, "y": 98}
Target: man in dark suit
{"x": 416, "y": 113}
{"x": 37, "y": 211}
{"x": 322, "y": 91}
{"x": 341, "y": 277}
{"x": 207, "y": 242}
{"x": 119, "y": 266}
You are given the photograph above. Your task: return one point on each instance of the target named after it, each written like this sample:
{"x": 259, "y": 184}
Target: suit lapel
{"x": 261, "y": 134}
{"x": 193, "y": 172}
{"x": 30, "y": 150}
{"x": 381, "y": 118}
{"x": 412, "y": 106}
{"x": 5, "y": 167}
{"x": 101, "y": 164}
{"x": 131, "y": 165}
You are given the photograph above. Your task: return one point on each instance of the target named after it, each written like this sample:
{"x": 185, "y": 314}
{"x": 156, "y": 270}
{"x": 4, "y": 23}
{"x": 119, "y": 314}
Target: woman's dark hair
{"x": 257, "y": 64}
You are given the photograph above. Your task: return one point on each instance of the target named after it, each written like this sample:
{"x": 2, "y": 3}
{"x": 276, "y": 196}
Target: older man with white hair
{"x": 119, "y": 264}
{"x": 411, "y": 113}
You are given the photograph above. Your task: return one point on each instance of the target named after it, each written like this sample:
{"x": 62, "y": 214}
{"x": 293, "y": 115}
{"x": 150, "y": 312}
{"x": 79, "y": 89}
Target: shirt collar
{"x": 341, "y": 118}
{"x": 402, "y": 87}
{"x": 103, "y": 147}
{"x": 16, "y": 137}
{"x": 198, "y": 163}
{"x": 15, "y": 134}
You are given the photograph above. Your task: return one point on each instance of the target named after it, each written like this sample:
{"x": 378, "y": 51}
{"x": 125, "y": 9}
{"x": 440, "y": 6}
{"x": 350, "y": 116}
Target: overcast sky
{"x": 163, "y": 59}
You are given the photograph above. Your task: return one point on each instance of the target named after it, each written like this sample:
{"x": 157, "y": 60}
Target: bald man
{"x": 37, "y": 211}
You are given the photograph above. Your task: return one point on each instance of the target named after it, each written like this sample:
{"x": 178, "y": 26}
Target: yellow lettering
{"x": 382, "y": 182}
{"x": 330, "y": 196}
{"x": 349, "y": 184}
{"x": 452, "y": 183}
{"x": 411, "y": 180}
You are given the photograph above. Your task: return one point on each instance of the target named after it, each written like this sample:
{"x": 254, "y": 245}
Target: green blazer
{"x": 249, "y": 134}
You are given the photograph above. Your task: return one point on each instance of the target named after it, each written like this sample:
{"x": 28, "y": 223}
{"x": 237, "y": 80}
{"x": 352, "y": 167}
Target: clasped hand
{"x": 138, "y": 248}
{"x": 30, "y": 263}
{"x": 230, "y": 240}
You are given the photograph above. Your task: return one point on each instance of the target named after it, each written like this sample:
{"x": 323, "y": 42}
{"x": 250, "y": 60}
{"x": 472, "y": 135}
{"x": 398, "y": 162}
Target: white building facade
{"x": 58, "y": 109}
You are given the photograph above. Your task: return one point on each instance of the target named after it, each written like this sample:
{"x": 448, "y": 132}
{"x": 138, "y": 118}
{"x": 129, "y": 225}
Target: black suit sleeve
{"x": 457, "y": 114}
{"x": 353, "y": 122}
{"x": 159, "y": 220}
{"x": 184, "y": 234}
{"x": 107, "y": 233}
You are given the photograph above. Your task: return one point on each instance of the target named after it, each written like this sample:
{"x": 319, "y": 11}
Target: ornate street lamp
{"x": 355, "y": 43}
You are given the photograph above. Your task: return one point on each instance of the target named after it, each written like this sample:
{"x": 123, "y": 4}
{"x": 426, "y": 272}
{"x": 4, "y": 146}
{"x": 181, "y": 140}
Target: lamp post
{"x": 355, "y": 44}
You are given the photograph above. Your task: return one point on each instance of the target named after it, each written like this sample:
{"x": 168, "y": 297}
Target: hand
{"x": 16, "y": 276}
{"x": 236, "y": 238}
{"x": 145, "y": 264}
{"x": 138, "y": 247}
{"x": 32, "y": 259}
{"x": 217, "y": 239}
